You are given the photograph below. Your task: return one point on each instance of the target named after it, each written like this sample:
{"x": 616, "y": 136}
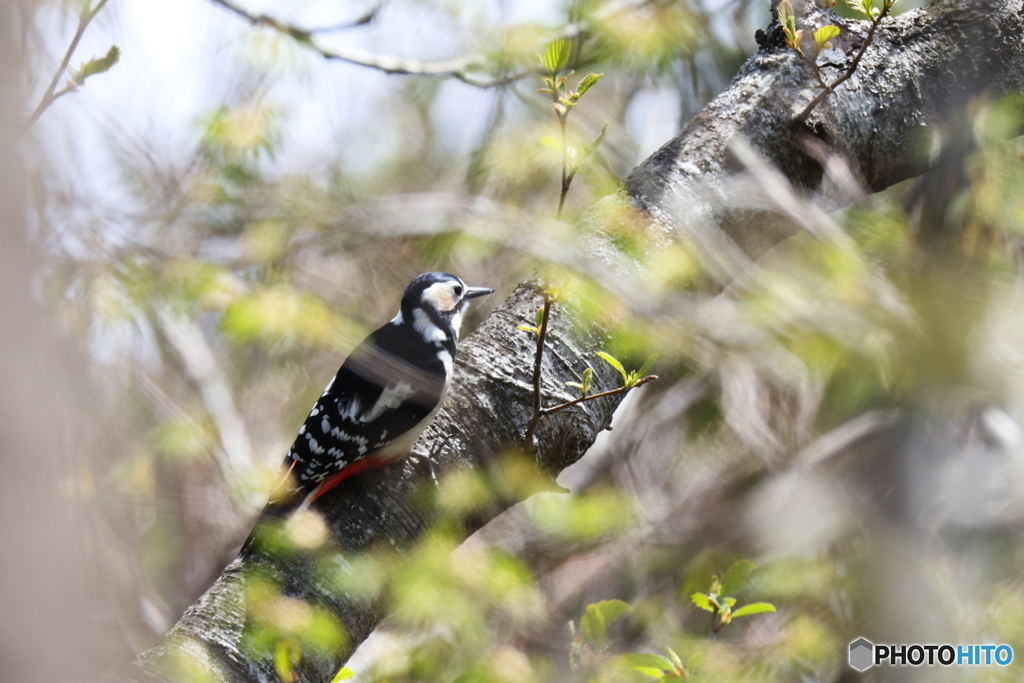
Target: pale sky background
{"x": 177, "y": 64}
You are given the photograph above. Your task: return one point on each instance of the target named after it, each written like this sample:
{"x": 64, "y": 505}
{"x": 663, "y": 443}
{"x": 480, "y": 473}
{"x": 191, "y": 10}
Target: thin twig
{"x": 538, "y": 357}
{"x": 538, "y": 411}
{"x": 52, "y": 94}
{"x": 829, "y": 89}
{"x": 364, "y": 20}
{"x": 611, "y": 392}
{"x": 459, "y": 68}
{"x": 565, "y": 168}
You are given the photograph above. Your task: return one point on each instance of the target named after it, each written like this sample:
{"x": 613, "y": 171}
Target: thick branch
{"x": 488, "y": 409}
{"x": 912, "y": 84}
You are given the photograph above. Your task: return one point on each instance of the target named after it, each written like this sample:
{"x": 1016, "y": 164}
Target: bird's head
{"x": 434, "y": 304}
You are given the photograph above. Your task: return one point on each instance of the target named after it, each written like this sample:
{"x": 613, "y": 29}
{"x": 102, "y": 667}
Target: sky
{"x": 179, "y": 61}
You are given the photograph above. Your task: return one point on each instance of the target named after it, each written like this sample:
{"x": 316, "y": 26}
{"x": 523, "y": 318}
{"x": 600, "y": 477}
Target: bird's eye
{"x": 458, "y": 290}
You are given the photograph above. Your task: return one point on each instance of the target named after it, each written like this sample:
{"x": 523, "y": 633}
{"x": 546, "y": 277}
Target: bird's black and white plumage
{"x": 386, "y": 392}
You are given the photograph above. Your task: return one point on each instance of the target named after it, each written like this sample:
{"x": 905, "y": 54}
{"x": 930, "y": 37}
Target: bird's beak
{"x": 474, "y": 292}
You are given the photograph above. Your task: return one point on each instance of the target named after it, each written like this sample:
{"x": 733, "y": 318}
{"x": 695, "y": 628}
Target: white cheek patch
{"x": 439, "y": 296}
{"x": 426, "y": 327}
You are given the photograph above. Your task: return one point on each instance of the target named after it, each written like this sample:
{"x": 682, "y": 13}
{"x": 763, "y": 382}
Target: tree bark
{"x": 911, "y": 87}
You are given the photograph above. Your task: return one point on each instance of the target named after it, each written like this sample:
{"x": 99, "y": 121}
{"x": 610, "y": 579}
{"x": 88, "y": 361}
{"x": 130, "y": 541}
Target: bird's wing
{"x": 377, "y": 396}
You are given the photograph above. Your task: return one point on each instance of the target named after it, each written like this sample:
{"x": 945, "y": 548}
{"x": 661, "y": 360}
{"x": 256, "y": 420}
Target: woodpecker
{"x": 388, "y": 389}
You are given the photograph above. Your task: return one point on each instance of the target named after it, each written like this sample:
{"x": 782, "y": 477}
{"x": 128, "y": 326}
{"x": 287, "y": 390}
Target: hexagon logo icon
{"x": 862, "y": 654}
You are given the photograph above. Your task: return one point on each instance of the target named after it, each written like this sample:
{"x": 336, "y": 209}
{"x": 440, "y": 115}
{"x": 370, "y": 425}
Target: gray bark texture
{"x": 911, "y": 88}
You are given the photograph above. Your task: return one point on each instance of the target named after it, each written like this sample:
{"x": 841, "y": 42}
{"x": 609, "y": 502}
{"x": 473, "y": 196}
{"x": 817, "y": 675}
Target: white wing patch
{"x": 392, "y": 397}
{"x": 351, "y": 411}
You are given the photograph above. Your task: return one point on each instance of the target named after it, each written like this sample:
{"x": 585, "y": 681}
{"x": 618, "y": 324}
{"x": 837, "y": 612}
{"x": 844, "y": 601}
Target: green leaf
{"x": 587, "y": 83}
{"x": 598, "y": 617}
{"x": 549, "y": 141}
{"x": 575, "y": 384}
{"x": 865, "y": 7}
{"x": 642, "y": 372}
{"x": 825, "y": 34}
{"x": 597, "y": 141}
{"x": 343, "y": 675}
{"x": 654, "y": 666}
{"x": 614, "y": 362}
{"x": 97, "y": 65}
{"x": 538, "y": 318}
{"x": 753, "y": 608}
{"x": 556, "y": 55}
{"x": 703, "y": 601}
{"x": 287, "y": 654}
{"x": 674, "y": 657}
{"x": 737, "y": 576}
{"x": 787, "y": 18}
{"x": 587, "y": 380}
{"x": 527, "y": 328}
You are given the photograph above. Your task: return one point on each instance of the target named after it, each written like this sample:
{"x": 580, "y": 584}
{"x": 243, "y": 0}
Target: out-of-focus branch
{"x": 468, "y": 69}
{"x": 366, "y": 18}
{"x": 462, "y": 68}
{"x": 198, "y": 358}
{"x": 52, "y": 94}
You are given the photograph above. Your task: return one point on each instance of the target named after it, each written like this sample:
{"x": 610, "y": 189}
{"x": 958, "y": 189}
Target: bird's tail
{"x": 284, "y": 500}
{"x": 270, "y": 521}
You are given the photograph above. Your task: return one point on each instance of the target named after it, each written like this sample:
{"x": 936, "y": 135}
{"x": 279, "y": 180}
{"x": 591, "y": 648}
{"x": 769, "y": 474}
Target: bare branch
{"x": 363, "y": 20}
{"x": 461, "y": 68}
{"x": 52, "y": 94}
{"x": 542, "y": 334}
{"x": 829, "y": 89}
{"x": 611, "y": 392}
{"x": 468, "y": 69}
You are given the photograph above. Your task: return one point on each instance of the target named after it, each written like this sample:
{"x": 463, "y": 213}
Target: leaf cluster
{"x": 794, "y": 36}
{"x": 591, "y": 638}
{"x": 629, "y": 378}
{"x": 554, "y": 60}
{"x": 719, "y": 601}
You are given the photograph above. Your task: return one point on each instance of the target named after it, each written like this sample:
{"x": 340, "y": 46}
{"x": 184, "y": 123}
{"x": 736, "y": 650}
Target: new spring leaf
{"x": 598, "y": 617}
{"x": 753, "y": 608}
{"x": 556, "y": 55}
{"x": 97, "y": 65}
{"x": 614, "y": 362}
{"x": 825, "y": 34}
{"x": 737, "y": 576}
{"x": 585, "y": 85}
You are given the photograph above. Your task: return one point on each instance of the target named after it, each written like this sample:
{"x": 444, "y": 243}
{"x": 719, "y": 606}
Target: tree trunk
{"x": 910, "y": 89}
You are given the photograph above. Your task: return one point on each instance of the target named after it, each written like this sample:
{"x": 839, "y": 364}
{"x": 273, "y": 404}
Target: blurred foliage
{"x": 221, "y": 297}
